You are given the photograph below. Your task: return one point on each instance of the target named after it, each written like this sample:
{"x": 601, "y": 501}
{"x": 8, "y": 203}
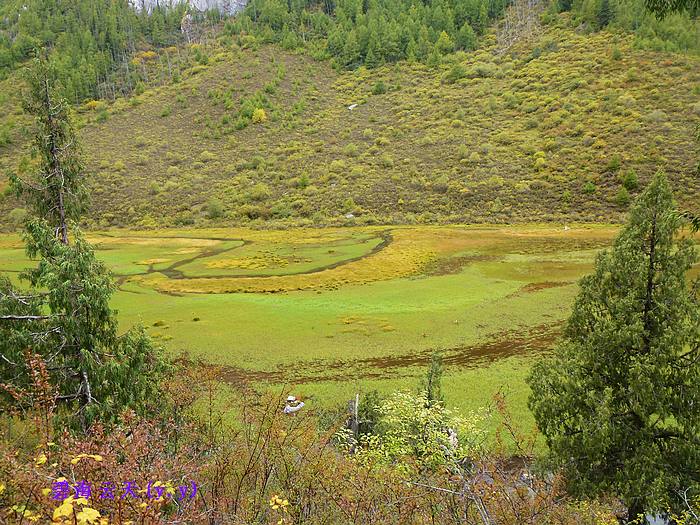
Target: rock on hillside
{"x": 227, "y": 6}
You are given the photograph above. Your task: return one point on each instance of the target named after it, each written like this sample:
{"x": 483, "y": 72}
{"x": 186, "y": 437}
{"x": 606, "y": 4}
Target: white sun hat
{"x": 291, "y": 398}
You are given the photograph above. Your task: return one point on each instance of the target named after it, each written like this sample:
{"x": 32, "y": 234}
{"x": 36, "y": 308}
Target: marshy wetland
{"x": 333, "y": 311}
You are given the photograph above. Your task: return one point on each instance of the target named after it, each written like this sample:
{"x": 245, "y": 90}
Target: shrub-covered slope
{"x": 566, "y": 128}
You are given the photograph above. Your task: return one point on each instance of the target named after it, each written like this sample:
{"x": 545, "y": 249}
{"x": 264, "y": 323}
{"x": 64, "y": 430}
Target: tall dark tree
{"x": 431, "y": 384}
{"x": 65, "y": 315}
{"x": 661, "y": 8}
{"x": 605, "y": 14}
{"x": 619, "y": 404}
{"x": 565, "y": 5}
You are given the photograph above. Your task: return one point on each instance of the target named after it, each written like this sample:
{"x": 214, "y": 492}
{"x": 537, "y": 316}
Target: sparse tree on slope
{"x": 431, "y": 385}
{"x": 619, "y": 404}
{"x": 661, "y": 8}
{"x": 605, "y": 14}
{"x": 66, "y": 317}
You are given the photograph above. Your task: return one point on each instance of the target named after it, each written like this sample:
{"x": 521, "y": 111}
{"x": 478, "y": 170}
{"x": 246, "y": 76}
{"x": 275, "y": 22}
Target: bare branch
{"x": 25, "y": 317}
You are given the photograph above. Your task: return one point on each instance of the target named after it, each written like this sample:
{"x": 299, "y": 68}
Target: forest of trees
{"x": 93, "y": 41}
{"x": 677, "y": 31}
{"x": 374, "y": 32}
{"x": 371, "y": 32}
{"x": 87, "y": 39}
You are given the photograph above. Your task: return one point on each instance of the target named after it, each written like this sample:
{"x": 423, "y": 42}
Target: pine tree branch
{"x": 25, "y": 317}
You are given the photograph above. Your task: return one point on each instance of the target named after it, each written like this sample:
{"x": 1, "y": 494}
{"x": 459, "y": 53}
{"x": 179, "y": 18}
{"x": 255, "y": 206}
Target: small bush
{"x": 337, "y": 166}
{"x": 259, "y": 116}
{"x": 259, "y": 192}
{"x": 630, "y": 181}
{"x": 539, "y": 163}
{"x": 463, "y": 151}
{"x": 17, "y": 216}
{"x": 184, "y": 219}
{"x": 379, "y": 88}
{"x": 351, "y": 150}
{"x": 5, "y": 137}
{"x": 589, "y": 188}
{"x": 657, "y": 116}
{"x": 207, "y": 156}
{"x": 349, "y": 205}
{"x": 214, "y": 208}
{"x": 386, "y": 161}
{"x": 622, "y": 199}
{"x": 614, "y": 164}
{"x": 457, "y": 72}
{"x": 241, "y": 123}
{"x": 94, "y": 105}
{"x": 485, "y": 70}
{"x": 170, "y": 186}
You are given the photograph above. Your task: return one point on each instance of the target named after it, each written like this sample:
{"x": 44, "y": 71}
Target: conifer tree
{"x": 605, "y": 14}
{"x": 351, "y": 50}
{"x": 619, "y": 404}
{"x": 444, "y": 44}
{"x": 373, "y": 56}
{"x": 431, "y": 385}
{"x": 65, "y": 315}
{"x": 565, "y": 5}
{"x": 466, "y": 38}
{"x": 661, "y": 8}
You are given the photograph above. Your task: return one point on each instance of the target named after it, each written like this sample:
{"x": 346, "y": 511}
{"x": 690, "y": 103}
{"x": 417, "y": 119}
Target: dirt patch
{"x": 534, "y": 341}
{"x": 454, "y": 265}
{"x": 536, "y": 287}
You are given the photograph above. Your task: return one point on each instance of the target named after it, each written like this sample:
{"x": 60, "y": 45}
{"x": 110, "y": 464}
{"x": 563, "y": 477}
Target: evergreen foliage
{"x": 65, "y": 316}
{"x": 662, "y": 8}
{"x": 430, "y": 386}
{"x": 619, "y": 404}
{"x": 371, "y": 33}
{"x": 678, "y": 31}
{"x": 88, "y": 39}
{"x": 605, "y": 14}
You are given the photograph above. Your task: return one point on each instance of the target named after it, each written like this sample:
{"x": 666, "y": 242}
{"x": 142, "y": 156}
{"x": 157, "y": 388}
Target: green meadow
{"x": 331, "y": 312}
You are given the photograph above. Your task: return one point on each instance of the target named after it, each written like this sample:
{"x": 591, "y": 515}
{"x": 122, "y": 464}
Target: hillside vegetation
{"x": 87, "y": 41}
{"x": 565, "y": 128}
{"x": 379, "y": 31}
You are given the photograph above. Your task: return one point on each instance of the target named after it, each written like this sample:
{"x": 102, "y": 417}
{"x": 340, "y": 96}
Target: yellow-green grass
{"x": 291, "y": 254}
{"x": 489, "y": 298}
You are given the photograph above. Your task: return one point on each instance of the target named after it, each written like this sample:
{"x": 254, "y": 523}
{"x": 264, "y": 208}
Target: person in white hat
{"x": 293, "y": 405}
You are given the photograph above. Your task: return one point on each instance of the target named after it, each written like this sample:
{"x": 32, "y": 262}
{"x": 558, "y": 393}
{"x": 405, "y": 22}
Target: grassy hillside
{"x": 565, "y": 128}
